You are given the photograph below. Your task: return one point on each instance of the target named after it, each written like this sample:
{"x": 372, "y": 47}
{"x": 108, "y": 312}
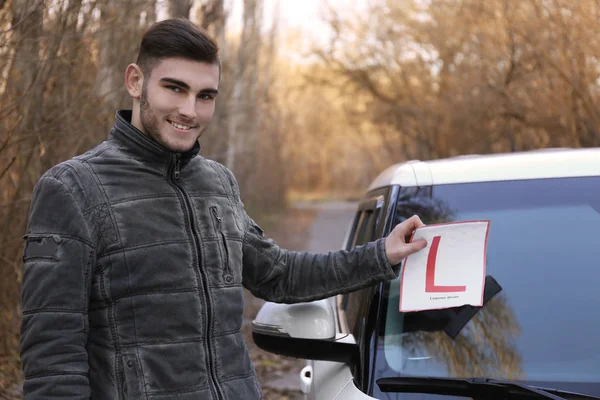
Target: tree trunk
{"x": 26, "y": 92}
{"x": 242, "y": 124}
{"x": 180, "y": 8}
{"x": 212, "y": 17}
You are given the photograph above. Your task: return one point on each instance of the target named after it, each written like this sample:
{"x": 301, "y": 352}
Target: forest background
{"x": 301, "y": 115}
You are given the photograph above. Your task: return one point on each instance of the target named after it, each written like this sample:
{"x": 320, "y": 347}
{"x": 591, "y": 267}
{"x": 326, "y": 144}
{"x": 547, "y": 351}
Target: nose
{"x": 187, "y": 108}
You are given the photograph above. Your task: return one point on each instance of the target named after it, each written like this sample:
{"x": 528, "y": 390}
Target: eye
{"x": 205, "y": 96}
{"x": 174, "y": 89}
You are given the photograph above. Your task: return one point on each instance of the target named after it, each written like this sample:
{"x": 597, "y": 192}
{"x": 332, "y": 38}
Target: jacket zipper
{"x": 227, "y": 270}
{"x": 176, "y": 172}
{"x": 205, "y": 294}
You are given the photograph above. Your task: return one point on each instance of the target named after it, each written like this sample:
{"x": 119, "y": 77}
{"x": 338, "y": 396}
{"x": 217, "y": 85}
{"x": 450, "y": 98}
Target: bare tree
{"x": 463, "y": 76}
{"x": 242, "y": 124}
{"x": 23, "y": 99}
{"x": 212, "y": 17}
{"x": 180, "y": 8}
{"x": 53, "y": 106}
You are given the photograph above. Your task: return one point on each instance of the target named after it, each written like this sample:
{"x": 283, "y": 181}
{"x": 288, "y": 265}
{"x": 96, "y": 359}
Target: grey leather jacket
{"x": 134, "y": 263}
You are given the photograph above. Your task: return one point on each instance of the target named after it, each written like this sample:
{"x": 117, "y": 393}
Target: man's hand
{"x": 397, "y": 246}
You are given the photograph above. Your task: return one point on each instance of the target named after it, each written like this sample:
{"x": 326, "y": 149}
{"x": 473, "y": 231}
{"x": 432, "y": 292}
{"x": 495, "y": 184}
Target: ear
{"x": 134, "y": 80}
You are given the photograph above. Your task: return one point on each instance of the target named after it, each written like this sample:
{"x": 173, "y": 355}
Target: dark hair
{"x": 177, "y": 37}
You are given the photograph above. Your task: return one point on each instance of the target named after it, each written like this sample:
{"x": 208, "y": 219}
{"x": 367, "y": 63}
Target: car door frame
{"x": 381, "y": 203}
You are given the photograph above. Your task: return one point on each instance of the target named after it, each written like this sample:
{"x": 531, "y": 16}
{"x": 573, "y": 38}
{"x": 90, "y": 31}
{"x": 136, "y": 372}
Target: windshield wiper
{"x": 471, "y": 387}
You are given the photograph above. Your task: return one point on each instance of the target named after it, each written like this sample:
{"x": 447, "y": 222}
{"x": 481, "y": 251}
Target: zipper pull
{"x": 176, "y": 173}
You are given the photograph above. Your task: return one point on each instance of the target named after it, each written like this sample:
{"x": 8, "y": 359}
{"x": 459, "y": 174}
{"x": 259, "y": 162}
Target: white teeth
{"x": 178, "y": 126}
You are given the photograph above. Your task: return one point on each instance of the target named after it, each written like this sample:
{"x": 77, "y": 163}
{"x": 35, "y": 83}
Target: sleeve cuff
{"x": 389, "y": 271}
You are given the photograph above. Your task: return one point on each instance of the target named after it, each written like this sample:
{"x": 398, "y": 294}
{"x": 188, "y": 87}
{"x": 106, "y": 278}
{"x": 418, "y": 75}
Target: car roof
{"x": 534, "y": 164}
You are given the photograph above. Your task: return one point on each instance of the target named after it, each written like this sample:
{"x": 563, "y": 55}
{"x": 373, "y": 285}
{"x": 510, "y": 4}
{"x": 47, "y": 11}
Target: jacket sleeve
{"x": 278, "y": 275}
{"x": 58, "y": 258}
{"x": 283, "y": 276}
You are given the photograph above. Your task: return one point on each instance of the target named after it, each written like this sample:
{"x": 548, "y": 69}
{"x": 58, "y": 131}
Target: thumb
{"x": 415, "y": 246}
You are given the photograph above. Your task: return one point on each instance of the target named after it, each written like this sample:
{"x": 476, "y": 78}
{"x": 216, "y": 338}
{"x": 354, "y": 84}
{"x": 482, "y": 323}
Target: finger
{"x": 407, "y": 227}
{"x": 417, "y": 221}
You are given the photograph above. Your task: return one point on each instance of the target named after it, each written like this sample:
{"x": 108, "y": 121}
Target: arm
{"x": 57, "y": 270}
{"x": 283, "y": 276}
{"x": 279, "y": 275}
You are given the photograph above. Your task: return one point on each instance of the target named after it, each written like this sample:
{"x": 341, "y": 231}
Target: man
{"x": 137, "y": 251}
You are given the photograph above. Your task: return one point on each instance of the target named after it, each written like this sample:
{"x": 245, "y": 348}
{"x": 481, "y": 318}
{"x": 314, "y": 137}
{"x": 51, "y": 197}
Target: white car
{"x": 538, "y": 331}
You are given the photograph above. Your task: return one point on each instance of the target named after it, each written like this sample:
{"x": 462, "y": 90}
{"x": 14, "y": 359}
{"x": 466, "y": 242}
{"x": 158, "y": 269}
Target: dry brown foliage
{"x": 398, "y": 80}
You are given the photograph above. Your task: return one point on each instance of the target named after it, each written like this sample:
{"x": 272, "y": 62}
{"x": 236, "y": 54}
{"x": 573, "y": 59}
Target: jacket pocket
{"x": 41, "y": 247}
{"x": 133, "y": 377}
{"x": 218, "y": 223}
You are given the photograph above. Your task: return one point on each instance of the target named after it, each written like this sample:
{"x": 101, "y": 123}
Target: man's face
{"x": 177, "y": 102}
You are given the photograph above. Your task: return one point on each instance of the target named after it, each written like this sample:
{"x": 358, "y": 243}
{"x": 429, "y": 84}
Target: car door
{"x": 355, "y": 310}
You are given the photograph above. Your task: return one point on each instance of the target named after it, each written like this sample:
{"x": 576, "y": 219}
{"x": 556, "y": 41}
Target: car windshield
{"x": 540, "y": 325}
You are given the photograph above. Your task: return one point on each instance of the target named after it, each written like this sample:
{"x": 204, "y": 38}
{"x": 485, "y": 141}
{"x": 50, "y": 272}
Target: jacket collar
{"x": 132, "y": 141}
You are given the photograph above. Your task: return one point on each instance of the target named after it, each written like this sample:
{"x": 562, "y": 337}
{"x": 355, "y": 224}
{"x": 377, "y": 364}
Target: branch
{"x": 16, "y": 24}
{"x": 8, "y": 167}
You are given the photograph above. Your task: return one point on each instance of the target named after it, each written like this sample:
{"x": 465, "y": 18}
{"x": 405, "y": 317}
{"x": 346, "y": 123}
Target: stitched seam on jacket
{"x": 201, "y": 195}
{"x": 228, "y": 332}
{"x": 143, "y": 391}
{"x": 106, "y": 200}
{"x": 113, "y": 333}
{"x": 176, "y": 391}
{"x": 144, "y": 197}
{"x": 198, "y": 339}
{"x": 144, "y": 245}
{"x": 54, "y": 310}
{"x": 86, "y": 299}
{"x": 238, "y": 377}
{"x": 61, "y": 373}
{"x": 154, "y": 292}
{"x": 57, "y": 171}
{"x": 76, "y": 174}
{"x": 145, "y": 293}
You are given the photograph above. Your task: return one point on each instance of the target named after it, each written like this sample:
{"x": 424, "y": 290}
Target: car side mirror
{"x": 303, "y": 330}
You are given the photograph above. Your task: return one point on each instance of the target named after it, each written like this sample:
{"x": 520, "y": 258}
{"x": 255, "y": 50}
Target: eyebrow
{"x": 186, "y": 86}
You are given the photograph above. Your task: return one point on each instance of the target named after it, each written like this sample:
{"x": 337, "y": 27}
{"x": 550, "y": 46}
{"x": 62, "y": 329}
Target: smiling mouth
{"x": 180, "y": 126}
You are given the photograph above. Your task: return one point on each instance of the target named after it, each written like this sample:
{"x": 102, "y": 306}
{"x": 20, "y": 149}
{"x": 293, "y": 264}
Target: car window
{"x": 540, "y": 325}
{"x": 353, "y": 303}
{"x": 361, "y": 229}
{"x": 369, "y": 221}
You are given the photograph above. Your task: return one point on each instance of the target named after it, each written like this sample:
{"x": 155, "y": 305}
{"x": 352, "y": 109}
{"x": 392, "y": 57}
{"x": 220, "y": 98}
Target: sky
{"x": 303, "y": 14}
{"x": 295, "y": 16}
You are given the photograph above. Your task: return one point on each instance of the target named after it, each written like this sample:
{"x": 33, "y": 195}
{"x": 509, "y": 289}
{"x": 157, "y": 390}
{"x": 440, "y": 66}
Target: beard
{"x": 148, "y": 119}
{"x": 151, "y": 127}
